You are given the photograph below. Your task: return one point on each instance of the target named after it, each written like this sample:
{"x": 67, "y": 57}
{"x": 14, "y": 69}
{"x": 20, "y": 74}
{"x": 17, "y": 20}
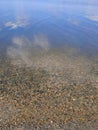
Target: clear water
{"x": 60, "y": 22}
{"x": 48, "y": 64}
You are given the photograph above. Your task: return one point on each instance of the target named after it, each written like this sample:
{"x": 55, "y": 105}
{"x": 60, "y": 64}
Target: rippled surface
{"x": 48, "y": 65}
{"x": 61, "y": 23}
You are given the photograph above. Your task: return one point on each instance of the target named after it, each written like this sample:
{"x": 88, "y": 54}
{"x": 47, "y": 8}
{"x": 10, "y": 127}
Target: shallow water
{"x": 48, "y": 65}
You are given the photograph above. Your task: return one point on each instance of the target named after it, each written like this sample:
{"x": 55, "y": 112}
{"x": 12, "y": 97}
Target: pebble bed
{"x": 44, "y": 97}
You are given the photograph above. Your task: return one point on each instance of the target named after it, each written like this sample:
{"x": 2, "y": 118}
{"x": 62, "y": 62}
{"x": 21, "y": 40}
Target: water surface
{"x": 48, "y": 64}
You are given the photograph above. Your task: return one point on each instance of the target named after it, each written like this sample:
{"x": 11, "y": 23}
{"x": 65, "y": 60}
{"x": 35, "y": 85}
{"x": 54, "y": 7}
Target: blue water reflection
{"x": 62, "y": 22}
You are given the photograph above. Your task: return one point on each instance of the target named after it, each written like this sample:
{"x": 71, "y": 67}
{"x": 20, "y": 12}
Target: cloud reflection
{"x": 42, "y": 42}
{"x": 18, "y": 24}
{"x": 93, "y": 18}
{"x": 21, "y": 52}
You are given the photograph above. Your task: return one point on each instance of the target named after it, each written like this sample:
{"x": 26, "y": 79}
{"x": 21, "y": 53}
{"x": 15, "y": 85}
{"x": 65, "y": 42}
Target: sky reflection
{"x": 62, "y": 22}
